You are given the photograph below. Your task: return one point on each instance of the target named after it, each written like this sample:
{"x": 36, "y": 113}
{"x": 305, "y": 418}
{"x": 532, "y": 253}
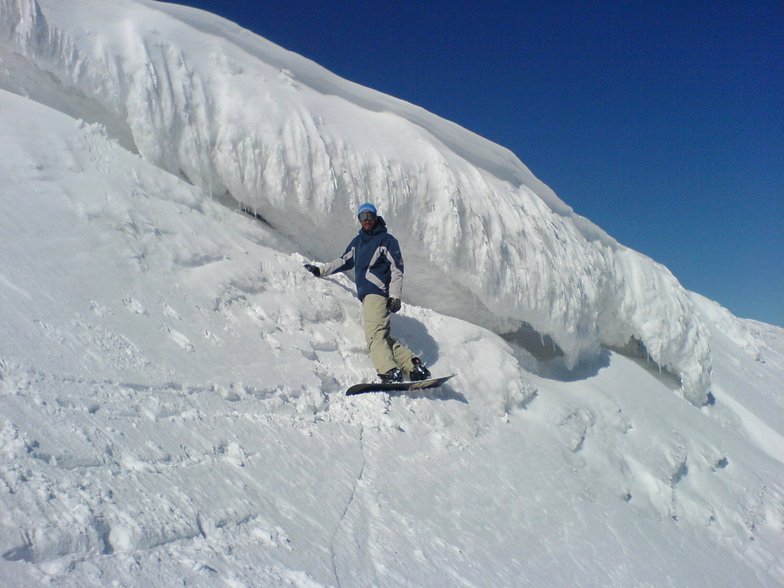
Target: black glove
{"x": 393, "y": 304}
{"x": 313, "y": 270}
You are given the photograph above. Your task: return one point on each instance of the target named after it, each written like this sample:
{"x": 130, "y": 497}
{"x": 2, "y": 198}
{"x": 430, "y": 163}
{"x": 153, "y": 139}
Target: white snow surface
{"x": 171, "y": 380}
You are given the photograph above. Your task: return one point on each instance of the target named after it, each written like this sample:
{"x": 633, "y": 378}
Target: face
{"x": 367, "y": 220}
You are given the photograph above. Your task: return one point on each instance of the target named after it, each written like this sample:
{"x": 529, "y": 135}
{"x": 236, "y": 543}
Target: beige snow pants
{"x": 385, "y": 352}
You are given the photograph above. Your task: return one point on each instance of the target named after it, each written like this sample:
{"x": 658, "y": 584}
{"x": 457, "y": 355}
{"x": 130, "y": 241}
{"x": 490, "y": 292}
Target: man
{"x": 375, "y": 256}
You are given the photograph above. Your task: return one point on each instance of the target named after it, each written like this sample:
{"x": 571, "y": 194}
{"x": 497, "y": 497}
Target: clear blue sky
{"x": 662, "y": 122}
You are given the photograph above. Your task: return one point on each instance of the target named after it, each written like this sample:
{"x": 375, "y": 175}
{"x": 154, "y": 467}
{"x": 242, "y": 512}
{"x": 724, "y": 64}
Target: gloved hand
{"x": 313, "y": 269}
{"x": 393, "y": 304}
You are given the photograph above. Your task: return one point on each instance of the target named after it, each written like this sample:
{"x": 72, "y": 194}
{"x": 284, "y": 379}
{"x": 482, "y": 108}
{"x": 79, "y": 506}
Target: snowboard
{"x": 396, "y": 386}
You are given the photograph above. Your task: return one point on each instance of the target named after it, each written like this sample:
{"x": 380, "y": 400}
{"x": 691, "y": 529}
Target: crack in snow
{"x": 349, "y": 502}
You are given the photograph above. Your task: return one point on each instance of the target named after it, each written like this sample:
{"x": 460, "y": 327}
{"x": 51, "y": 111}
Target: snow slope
{"x": 237, "y": 115}
{"x": 171, "y": 405}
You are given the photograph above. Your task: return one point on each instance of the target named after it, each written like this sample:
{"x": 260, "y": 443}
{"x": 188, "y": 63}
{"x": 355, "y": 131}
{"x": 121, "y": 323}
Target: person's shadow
{"x": 414, "y": 335}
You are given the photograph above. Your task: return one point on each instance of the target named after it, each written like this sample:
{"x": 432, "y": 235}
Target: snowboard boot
{"x": 420, "y": 372}
{"x": 393, "y": 375}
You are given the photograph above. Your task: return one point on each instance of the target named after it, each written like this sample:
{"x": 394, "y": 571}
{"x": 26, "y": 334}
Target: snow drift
{"x": 484, "y": 240}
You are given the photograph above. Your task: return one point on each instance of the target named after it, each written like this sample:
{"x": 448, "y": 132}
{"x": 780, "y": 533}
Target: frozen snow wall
{"x": 483, "y": 238}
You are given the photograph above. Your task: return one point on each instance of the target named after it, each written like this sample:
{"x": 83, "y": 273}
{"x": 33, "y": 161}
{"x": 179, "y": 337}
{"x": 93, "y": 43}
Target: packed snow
{"x": 171, "y": 379}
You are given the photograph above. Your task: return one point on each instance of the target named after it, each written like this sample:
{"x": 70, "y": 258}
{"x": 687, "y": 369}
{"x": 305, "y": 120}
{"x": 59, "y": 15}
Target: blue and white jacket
{"x": 376, "y": 260}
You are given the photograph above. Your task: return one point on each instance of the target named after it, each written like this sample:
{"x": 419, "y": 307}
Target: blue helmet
{"x": 366, "y": 207}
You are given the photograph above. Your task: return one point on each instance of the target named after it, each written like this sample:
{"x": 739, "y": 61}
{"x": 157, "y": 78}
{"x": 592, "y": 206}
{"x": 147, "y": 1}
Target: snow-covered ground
{"x": 171, "y": 380}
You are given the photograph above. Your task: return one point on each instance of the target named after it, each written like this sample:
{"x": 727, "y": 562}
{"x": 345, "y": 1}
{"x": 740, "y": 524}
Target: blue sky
{"x": 662, "y": 122}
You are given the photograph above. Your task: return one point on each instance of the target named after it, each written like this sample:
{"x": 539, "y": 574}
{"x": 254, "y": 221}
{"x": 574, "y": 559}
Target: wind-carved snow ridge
{"x": 484, "y": 239}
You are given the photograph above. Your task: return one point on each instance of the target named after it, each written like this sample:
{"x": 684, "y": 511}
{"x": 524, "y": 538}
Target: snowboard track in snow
{"x": 349, "y": 503}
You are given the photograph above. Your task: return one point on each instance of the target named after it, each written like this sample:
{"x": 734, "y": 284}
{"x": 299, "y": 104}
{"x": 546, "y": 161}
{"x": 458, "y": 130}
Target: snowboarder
{"x": 375, "y": 256}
